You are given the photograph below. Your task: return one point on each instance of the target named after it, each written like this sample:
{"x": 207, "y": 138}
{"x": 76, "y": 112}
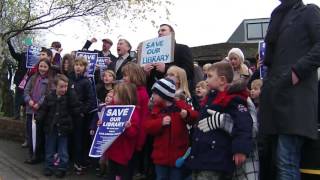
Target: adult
{"x": 19, "y": 74}
{"x": 288, "y": 106}
{"x": 123, "y": 50}
{"x": 106, "y": 45}
{"x": 182, "y": 59}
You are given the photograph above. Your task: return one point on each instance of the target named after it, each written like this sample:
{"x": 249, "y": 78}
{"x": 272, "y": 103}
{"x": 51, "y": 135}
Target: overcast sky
{"x": 196, "y": 22}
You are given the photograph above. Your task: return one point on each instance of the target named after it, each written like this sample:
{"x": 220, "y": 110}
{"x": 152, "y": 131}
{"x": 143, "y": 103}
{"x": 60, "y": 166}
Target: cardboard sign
{"x": 33, "y": 53}
{"x": 262, "y": 51}
{"x": 157, "y": 50}
{"x": 114, "y": 119}
{"x": 92, "y": 60}
{"x": 103, "y": 61}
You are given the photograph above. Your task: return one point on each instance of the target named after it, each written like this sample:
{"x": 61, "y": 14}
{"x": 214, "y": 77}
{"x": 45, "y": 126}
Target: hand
{"x": 31, "y": 103}
{"x": 166, "y": 121}
{"x": 99, "y": 122}
{"x": 183, "y": 113}
{"x": 212, "y": 122}
{"x": 36, "y": 106}
{"x": 108, "y": 61}
{"x": 239, "y": 159}
{"x": 127, "y": 125}
{"x": 147, "y": 67}
{"x": 295, "y": 79}
{"x": 161, "y": 67}
{"x": 60, "y": 50}
{"x": 93, "y": 40}
{"x": 92, "y": 132}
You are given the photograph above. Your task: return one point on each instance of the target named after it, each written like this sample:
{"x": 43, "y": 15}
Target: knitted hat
{"x": 237, "y": 52}
{"x": 165, "y": 88}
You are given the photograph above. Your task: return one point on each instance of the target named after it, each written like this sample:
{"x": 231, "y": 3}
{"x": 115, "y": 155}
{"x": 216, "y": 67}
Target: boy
{"x": 56, "y": 116}
{"x": 84, "y": 92}
{"x": 215, "y": 154}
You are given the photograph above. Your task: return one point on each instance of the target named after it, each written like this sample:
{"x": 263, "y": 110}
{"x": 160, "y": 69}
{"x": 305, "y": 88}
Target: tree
{"x": 24, "y": 16}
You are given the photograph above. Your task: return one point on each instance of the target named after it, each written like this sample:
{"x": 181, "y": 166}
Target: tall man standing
{"x": 289, "y": 95}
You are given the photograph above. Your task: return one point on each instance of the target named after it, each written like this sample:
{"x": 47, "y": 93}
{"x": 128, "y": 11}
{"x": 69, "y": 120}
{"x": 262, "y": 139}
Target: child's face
{"x": 107, "y": 78}
{"x": 214, "y": 81}
{"x": 235, "y": 61}
{"x": 174, "y": 77}
{"x": 109, "y": 97}
{"x": 157, "y": 99}
{"x": 62, "y": 88}
{"x": 201, "y": 91}
{"x": 79, "y": 68}
{"x": 126, "y": 78}
{"x": 43, "y": 68}
{"x": 255, "y": 92}
{"x": 43, "y": 55}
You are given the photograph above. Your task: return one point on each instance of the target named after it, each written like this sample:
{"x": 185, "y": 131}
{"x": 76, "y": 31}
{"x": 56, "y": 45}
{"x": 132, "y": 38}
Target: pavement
{"x": 12, "y": 166}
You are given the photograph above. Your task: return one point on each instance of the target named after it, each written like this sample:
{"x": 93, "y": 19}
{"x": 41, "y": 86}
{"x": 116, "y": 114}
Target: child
{"x": 133, "y": 73}
{"x": 107, "y": 84}
{"x": 215, "y": 154}
{"x": 167, "y": 123}
{"x": 201, "y": 92}
{"x": 84, "y": 92}
{"x": 34, "y": 93}
{"x": 255, "y": 91}
{"x": 55, "y": 114}
{"x": 66, "y": 67}
{"x": 121, "y": 151}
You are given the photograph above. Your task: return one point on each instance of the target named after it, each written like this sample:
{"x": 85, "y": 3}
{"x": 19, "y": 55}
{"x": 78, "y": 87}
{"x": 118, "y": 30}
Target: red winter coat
{"x": 170, "y": 142}
{"x": 143, "y": 99}
{"x": 123, "y": 147}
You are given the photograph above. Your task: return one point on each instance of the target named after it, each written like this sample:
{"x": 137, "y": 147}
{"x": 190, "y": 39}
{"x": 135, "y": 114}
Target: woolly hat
{"x": 237, "y": 52}
{"x": 165, "y": 88}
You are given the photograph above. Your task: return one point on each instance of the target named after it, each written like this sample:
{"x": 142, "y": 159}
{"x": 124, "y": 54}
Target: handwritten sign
{"x": 157, "y": 50}
{"x": 92, "y": 60}
{"x": 114, "y": 119}
{"x": 33, "y": 53}
{"x": 262, "y": 51}
{"x": 103, "y": 61}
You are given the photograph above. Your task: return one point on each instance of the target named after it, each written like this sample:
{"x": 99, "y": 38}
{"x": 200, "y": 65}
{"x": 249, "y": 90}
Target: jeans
{"x": 168, "y": 173}
{"x": 288, "y": 157}
{"x": 18, "y": 101}
{"x": 56, "y": 143}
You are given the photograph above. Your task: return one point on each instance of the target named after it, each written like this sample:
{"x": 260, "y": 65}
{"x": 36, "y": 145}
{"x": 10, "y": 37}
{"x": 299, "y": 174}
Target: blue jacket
{"x": 214, "y": 150}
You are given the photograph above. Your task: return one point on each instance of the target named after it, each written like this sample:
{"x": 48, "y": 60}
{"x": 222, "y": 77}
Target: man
{"x": 123, "y": 50}
{"x": 182, "y": 59}
{"x": 106, "y": 45}
{"x": 289, "y": 94}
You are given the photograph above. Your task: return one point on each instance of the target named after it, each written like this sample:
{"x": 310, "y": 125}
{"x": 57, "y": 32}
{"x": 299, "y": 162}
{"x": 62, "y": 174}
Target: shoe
{"x": 77, "y": 168}
{"x": 32, "y": 161}
{"x": 60, "y": 174}
{"x": 47, "y": 172}
{"x": 24, "y": 145}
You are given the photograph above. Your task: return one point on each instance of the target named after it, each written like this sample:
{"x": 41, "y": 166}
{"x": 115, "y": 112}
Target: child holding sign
{"x": 167, "y": 123}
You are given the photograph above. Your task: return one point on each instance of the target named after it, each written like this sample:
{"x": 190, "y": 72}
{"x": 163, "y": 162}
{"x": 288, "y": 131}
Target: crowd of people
{"x": 190, "y": 122}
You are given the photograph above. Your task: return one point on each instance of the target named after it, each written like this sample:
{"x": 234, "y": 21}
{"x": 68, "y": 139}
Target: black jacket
{"x": 21, "y": 59}
{"x": 286, "y": 108}
{"x": 57, "y": 113}
{"x": 112, "y": 67}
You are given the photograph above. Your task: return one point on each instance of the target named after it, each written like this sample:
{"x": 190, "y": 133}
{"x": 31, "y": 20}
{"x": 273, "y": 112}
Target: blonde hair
{"x": 202, "y": 84}
{"x": 81, "y": 60}
{"x": 110, "y": 72}
{"x": 135, "y": 73}
{"x": 127, "y": 93}
{"x": 256, "y": 83}
{"x": 206, "y": 66}
{"x": 181, "y": 77}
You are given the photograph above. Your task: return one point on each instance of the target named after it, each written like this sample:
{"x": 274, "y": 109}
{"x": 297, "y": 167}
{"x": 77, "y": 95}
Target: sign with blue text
{"x": 157, "y": 50}
{"x": 103, "y": 61}
{"x": 92, "y": 60}
{"x": 33, "y": 53}
{"x": 113, "y": 119}
{"x": 262, "y": 51}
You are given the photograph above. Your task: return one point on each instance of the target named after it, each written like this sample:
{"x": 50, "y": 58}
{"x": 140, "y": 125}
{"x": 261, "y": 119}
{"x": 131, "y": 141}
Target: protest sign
{"x": 262, "y": 51}
{"x": 114, "y": 119}
{"x": 157, "y": 50}
{"x": 103, "y": 61}
{"x": 92, "y": 60}
{"x": 33, "y": 53}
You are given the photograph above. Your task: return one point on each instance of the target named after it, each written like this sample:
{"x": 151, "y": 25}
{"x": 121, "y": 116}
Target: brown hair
{"x": 169, "y": 26}
{"x": 256, "y": 83}
{"x": 49, "y": 75}
{"x": 60, "y": 77}
{"x": 70, "y": 59}
{"x": 127, "y": 93}
{"x": 81, "y": 60}
{"x": 56, "y": 44}
{"x": 110, "y": 72}
{"x": 135, "y": 73}
{"x": 223, "y": 69}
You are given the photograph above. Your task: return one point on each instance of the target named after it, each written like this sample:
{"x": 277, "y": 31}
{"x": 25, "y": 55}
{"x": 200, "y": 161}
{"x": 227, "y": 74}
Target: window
{"x": 254, "y": 31}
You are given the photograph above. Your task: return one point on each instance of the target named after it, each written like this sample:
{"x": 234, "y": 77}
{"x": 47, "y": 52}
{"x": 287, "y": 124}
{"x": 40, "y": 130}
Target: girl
{"x": 167, "y": 124}
{"x": 106, "y": 85}
{"x": 66, "y": 67}
{"x": 121, "y": 151}
{"x": 201, "y": 92}
{"x": 133, "y": 73}
{"x": 35, "y": 91}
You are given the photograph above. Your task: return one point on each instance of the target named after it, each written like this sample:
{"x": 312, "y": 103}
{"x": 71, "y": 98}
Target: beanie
{"x": 165, "y": 88}
{"x": 237, "y": 52}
